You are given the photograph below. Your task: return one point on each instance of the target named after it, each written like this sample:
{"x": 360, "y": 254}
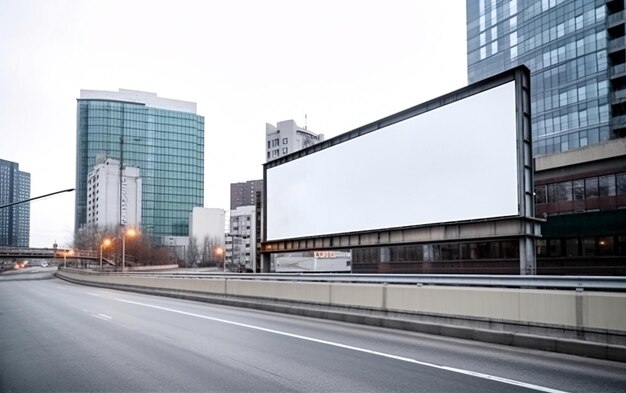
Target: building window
{"x": 285, "y": 140}
{"x": 591, "y": 187}
{"x": 284, "y": 150}
{"x": 564, "y": 191}
{"x": 606, "y": 185}
{"x": 578, "y": 187}
{"x": 571, "y": 247}
{"x": 540, "y": 194}
{"x": 552, "y": 193}
{"x": 621, "y": 183}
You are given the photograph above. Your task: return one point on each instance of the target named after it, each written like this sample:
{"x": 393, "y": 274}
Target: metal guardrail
{"x": 605, "y": 283}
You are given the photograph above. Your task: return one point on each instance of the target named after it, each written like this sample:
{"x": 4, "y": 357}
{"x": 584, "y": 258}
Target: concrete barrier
{"x": 576, "y": 322}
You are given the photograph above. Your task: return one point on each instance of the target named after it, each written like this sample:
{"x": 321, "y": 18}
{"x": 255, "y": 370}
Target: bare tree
{"x": 139, "y": 249}
{"x": 205, "y": 254}
{"x": 212, "y": 251}
{"x": 193, "y": 253}
{"x": 89, "y": 237}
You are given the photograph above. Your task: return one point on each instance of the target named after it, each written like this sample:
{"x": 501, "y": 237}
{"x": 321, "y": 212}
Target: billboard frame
{"x": 523, "y": 226}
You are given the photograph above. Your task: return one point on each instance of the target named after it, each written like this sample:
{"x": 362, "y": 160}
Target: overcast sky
{"x": 245, "y": 63}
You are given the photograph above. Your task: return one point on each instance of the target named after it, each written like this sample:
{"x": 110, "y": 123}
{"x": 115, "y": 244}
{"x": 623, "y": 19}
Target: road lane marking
{"x": 353, "y": 348}
{"x": 103, "y": 316}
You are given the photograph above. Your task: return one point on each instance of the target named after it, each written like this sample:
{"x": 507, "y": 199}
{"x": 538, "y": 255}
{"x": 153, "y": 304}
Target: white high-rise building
{"x": 241, "y": 240}
{"x": 206, "y": 234}
{"x": 287, "y": 137}
{"x": 103, "y": 194}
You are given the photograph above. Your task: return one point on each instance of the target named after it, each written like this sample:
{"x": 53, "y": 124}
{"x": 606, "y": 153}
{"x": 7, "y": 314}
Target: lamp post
{"x": 130, "y": 232}
{"x": 219, "y": 251}
{"x": 105, "y": 243}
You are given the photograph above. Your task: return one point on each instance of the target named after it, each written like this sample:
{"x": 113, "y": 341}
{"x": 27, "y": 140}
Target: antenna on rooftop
{"x": 306, "y": 126}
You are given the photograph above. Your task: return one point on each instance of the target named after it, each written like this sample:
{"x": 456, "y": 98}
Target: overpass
{"x": 88, "y": 338}
{"x": 575, "y": 315}
{"x": 52, "y": 253}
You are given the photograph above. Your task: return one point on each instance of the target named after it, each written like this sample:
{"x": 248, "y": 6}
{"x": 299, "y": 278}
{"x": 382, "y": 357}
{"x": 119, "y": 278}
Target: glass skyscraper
{"x": 564, "y": 43}
{"x": 164, "y": 138}
{"x": 576, "y": 52}
{"x": 14, "y": 220}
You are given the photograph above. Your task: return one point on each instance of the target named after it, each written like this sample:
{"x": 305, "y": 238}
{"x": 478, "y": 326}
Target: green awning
{"x": 602, "y": 223}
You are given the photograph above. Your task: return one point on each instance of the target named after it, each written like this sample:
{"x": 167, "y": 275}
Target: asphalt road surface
{"x": 62, "y": 337}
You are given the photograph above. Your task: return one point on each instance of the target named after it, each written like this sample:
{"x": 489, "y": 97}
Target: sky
{"x": 340, "y": 63}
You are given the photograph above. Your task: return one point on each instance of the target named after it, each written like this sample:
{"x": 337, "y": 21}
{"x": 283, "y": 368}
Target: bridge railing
{"x": 604, "y": 283}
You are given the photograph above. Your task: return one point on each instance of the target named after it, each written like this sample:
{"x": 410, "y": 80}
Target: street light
{"x": 219, "y": 251}
{"x": 105, "y": 243}
{"x": 129, "y": 232}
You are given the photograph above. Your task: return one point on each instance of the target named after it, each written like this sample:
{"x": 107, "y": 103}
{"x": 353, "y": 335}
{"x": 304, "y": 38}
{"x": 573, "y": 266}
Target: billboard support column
{"x": 265, "y": 262}
{"x": 527, "y": 256}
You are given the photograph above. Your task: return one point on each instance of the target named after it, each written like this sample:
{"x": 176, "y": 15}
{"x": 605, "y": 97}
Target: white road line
{"x": 92, "y": 294}
{"x": 103, "y": 316}
{"x": 350, "y": 347}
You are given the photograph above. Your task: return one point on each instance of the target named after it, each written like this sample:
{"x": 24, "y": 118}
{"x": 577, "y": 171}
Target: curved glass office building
{"x": 164, "y": 138}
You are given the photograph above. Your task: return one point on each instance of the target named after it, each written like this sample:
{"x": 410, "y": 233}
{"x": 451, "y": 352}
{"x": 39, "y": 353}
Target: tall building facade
{"x": 576, "y": 51}
{"x": 244, "y": 193}
{"x": 565, "y": 45}
{"x": 287, "y": 137}
{"x": 241, "y": 241}
{"x": 14, "y": 220}
{"x": 162, "y": 137}
{"x": 106, "y": 202}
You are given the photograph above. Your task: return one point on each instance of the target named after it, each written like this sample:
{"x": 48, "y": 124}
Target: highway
{"x": 60, "y": 337}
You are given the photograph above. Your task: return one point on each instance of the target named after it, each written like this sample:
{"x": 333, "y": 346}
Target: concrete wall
{"x": 574, "y": 322}
{"x": 594, "y": 311}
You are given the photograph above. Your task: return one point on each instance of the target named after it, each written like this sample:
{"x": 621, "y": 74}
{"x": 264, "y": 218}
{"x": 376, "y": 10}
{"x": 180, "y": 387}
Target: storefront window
{"x": 554, "y": 248}
{"x": 589, "y": 246}
{"x": 605, "y": 245}
{"x": 571, "y": 247}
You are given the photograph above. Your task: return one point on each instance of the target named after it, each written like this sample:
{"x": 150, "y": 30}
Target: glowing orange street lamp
{"x": 105, "y": 243}
{"x": 219, "y": 251}
{"x": 130, "y": 232}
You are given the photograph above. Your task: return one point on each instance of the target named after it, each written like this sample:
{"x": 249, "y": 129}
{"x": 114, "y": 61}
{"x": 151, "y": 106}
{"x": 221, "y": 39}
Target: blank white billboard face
{"x": 454, "y": 163}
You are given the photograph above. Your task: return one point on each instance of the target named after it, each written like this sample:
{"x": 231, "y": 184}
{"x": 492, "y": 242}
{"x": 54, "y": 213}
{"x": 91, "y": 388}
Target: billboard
{"x": 314, "y": 262}
{"x": 455, "y": 162}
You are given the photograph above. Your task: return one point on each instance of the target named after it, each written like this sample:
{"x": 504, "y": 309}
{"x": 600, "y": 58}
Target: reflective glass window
{"x": 591, "y": 187}
{"x": 606, "y": 185}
